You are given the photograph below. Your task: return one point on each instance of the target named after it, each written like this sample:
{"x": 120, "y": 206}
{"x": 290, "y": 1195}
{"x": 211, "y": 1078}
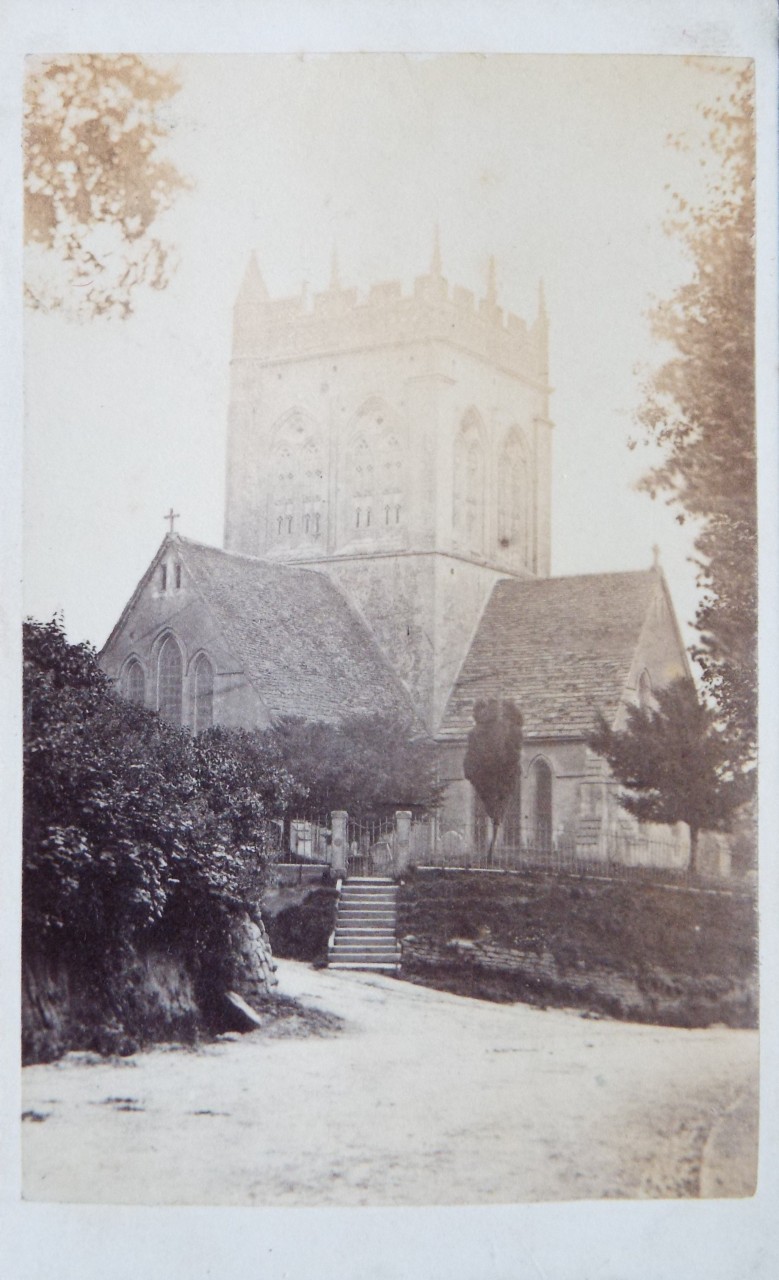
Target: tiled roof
{"x": 560, "y": 647}
{"x": 297, "y": 638}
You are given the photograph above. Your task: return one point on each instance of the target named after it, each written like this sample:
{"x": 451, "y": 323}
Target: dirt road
{"x": 422, "y": 1098}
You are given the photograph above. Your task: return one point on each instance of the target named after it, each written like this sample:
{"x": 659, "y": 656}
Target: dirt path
{"x": 423, "y": 1098}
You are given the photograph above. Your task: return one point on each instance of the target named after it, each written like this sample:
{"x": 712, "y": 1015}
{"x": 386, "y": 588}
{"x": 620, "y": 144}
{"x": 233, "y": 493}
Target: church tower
{"x": 400, "y": 443}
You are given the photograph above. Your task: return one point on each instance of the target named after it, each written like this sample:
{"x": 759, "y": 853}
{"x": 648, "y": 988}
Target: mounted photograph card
{"x": 390, "y": 572}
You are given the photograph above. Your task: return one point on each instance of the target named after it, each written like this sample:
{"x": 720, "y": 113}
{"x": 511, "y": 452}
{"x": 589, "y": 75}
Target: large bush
{"x": 132, "y": 825}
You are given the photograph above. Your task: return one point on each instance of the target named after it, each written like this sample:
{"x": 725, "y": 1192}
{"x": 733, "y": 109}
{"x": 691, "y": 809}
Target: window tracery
{"x": 375, "y": 473}
{"x": 170, "y": 678}
{"x": 298, "y": 489}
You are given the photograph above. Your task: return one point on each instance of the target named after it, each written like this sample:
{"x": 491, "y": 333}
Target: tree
{"x": 492, "y": 758}
{"x": 369, "y": 765}
{"x": 94, "y": 181}
{"x": 130, "y": 823}
{"x": 671, "y": 758}
{"x": 699, "y": 408}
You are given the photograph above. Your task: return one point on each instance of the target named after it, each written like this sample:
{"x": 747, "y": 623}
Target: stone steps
{"x": 365, "y": 934}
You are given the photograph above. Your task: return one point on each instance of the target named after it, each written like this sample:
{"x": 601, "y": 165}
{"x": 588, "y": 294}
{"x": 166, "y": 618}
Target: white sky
{"x": 558, "y": 165}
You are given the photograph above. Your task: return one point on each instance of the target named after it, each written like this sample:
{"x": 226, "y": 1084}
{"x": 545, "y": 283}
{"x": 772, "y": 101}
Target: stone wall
{"x": 139, "y": 995}
{"x": 489, "y": 970}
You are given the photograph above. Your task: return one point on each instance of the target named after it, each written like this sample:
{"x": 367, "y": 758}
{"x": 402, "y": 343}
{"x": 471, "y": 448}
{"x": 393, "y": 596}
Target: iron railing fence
{"x": 618, "y": 858}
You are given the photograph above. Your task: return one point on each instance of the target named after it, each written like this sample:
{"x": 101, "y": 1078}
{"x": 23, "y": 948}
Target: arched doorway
{"x": 542, "y": 806}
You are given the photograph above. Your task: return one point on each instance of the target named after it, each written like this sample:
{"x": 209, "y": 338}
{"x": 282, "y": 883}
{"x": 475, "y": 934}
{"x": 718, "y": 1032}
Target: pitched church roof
{"x": 299, "y": 641}
{"x": 296, "y": 637}
{"x": 560, "y": 647}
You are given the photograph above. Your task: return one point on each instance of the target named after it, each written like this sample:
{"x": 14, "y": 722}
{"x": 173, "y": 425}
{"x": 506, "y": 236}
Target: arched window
{"x": 514, "y": 502}
{"x": 542, "y": 806}
{"x": 203, "y": 711}
{"x": 170, "y": 673}
{"x": 375, "y": 476}
{"x": 134, "y": 682}
{"x": 298, "y": 487}
{"x": 468, "y": 496}
{"x": 312, "y": 492}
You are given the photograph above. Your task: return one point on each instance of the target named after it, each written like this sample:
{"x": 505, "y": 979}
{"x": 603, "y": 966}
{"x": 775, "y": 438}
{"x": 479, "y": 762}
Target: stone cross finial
{"x": 655, "y": 556}
{"x": 172, "y": 516}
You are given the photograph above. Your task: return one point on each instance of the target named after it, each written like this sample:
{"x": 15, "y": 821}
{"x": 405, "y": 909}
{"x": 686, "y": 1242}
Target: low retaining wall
{"x": 643, "y": 953}
{"x": 487, "y": 971}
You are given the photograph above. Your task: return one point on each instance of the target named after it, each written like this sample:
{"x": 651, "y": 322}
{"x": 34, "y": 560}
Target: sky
{"x": 559, "y": 166}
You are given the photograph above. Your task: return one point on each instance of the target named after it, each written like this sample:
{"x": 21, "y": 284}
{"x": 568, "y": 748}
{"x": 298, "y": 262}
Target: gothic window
{"x": 178, "y": 575}
{"x": 134, "y": 682}
{"x": 284, "y": 486}
{"x": 361, "y": 475}
{"x": 312, "y": 491}
{"x": 514, "y": 503}
{"x": 468, "y": 497}
{"x": 298, "y": 486}
{"x": 163, "y": 577}
{"x": 203, "y": 710}
{"x": 542, "y": 806}
{"x": 375, "y": 476}
{"x": 170, "y": 674}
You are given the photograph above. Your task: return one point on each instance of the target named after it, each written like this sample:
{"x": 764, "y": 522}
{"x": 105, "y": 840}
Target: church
{"x": 387, "y": 548}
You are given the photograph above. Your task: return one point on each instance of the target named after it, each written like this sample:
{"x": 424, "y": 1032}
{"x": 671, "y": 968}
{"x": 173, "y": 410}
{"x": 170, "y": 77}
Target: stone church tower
{"x": 400, "y": 443}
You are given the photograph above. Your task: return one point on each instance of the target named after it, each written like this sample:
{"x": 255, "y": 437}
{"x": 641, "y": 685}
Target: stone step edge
{"x": 368, "y": 935}
{"x": 365, "y": 945}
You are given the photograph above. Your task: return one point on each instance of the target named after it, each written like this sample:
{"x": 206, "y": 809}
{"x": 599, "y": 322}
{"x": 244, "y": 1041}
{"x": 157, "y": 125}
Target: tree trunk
{"x": 694, "y": 833}
{"x": 493, "y": 838}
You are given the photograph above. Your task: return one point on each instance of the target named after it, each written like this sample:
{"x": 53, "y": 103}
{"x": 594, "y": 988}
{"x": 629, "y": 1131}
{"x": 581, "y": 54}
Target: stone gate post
{"x": 339, "y": 819}
{"x": 402, "y": 841}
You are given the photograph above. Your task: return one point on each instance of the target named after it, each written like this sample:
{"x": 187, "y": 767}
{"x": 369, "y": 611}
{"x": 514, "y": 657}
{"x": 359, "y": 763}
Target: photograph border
{"x": 580, "y": 1241}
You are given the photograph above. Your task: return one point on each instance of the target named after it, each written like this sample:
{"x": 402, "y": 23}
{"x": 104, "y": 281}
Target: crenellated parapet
{"x": 339, "y": 320}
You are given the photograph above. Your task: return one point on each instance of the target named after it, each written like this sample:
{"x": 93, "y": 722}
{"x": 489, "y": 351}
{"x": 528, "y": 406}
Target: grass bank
{"x": 638, "y": 950}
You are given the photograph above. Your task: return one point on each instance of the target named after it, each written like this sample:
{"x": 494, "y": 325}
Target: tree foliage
{"x": 130, "y": 823}
{"x": 699, "y": 407}
{"x": 671, "y": 760}
{"x": 492, "y": 757}
{"x": 95, "y": 181}
{"x": 369, "y": 765}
